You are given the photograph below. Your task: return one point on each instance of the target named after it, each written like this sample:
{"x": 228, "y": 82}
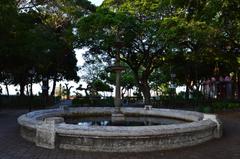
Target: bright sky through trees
{"x": 96, "y": 2}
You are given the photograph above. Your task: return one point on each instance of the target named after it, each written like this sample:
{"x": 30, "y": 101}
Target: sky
{"x": 96, "y": 2}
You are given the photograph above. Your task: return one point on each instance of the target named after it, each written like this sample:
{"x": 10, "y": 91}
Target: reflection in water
{"x": 129, "y": 121}
{"x": 92, "y": 123}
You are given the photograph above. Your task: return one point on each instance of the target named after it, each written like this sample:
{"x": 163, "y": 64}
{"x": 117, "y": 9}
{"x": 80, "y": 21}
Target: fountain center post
{"x": 117, "y": 115}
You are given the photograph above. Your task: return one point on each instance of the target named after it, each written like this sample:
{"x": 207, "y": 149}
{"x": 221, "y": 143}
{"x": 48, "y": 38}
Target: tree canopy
{"x": 38, "y": 35}
{"x": 193, "y": 39}
{"x": 151, "y": 34}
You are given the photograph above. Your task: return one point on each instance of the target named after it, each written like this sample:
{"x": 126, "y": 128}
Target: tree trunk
{"x": 7, "y": 90}
{"x": 123, "y": 92}
{"x": 145, "y": 89}
{"x": 28, "y": 89}
{"x": 45, "y": 91}
{"x": 31, "y": 89}
{"x": 68, "y": 90}
{"x": 238, "y": 85}
{"x": 54, "y": 86}
{"x": 188, "y": 83}
{"x": 187, "y": 92}
{"x": 45, "y": 87}
{"x": 22, "y": 89}
{"x": 143, "y": 85}
{"x": 85, "y": 90}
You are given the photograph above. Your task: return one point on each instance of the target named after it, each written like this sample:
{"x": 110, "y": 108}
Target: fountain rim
{"x": 53, "y": 132}
{"x": 33, "y": 119}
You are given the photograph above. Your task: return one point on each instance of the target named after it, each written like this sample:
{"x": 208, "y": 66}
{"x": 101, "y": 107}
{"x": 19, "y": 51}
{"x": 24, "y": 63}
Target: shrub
{"x": 93, "y": 101}
{"x": 205, "y": 109}
{"x": 80, "y": 101}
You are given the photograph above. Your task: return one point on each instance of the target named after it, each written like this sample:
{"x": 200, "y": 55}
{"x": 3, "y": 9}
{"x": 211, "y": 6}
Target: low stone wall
{"x": 51, "y": 132}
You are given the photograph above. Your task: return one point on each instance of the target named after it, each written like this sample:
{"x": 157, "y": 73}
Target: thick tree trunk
{"x": 145, "y": 89}
{"x": 27, "y": 89}
{"x": 143, "y": 85}
{"x": 31, "y": 89}
{"x": 22, "y": 88}
{"x": 69, "y": 92}
{"x": 45, "y": 91}
{"x": 45, "y": 87}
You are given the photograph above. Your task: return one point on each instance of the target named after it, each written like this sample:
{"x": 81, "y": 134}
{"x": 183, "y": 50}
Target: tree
{"x": 144, "y": 37}
{"x": 67, "y": 90}
{"x": 39, "y": 34}
{"x": 99, "y": 86}
{"x": 8, "y": 20}
{"x": 135, "y": 40}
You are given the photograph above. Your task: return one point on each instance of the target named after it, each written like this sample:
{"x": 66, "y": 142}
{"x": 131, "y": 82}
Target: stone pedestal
{"x": 45, "y": 136}
{"x": 117, "y": 115}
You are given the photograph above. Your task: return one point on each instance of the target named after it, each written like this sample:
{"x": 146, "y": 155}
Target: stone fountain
{"x": 48, "y": 128}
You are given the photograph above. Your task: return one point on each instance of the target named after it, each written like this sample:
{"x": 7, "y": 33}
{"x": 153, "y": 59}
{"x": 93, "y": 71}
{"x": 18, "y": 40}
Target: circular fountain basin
{"x": 47, "y": 128}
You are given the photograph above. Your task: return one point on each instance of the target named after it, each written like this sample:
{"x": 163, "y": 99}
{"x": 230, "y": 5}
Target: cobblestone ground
{"x": 12, "y": 146}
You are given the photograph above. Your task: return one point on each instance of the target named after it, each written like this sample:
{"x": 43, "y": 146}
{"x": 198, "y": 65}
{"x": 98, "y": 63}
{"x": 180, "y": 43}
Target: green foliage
{"x": 154, "y": 39}
{"x": 218, "y": 105}
{"x": 80, "y": 101}
{"x": 143, "y": 6}
{"x": 100, "y": 30}
{"x": 99, "y": 85}
{"x": 163, "y": 34}
{"x": 106, "y": 33}
{"x": 205, "y": 109}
